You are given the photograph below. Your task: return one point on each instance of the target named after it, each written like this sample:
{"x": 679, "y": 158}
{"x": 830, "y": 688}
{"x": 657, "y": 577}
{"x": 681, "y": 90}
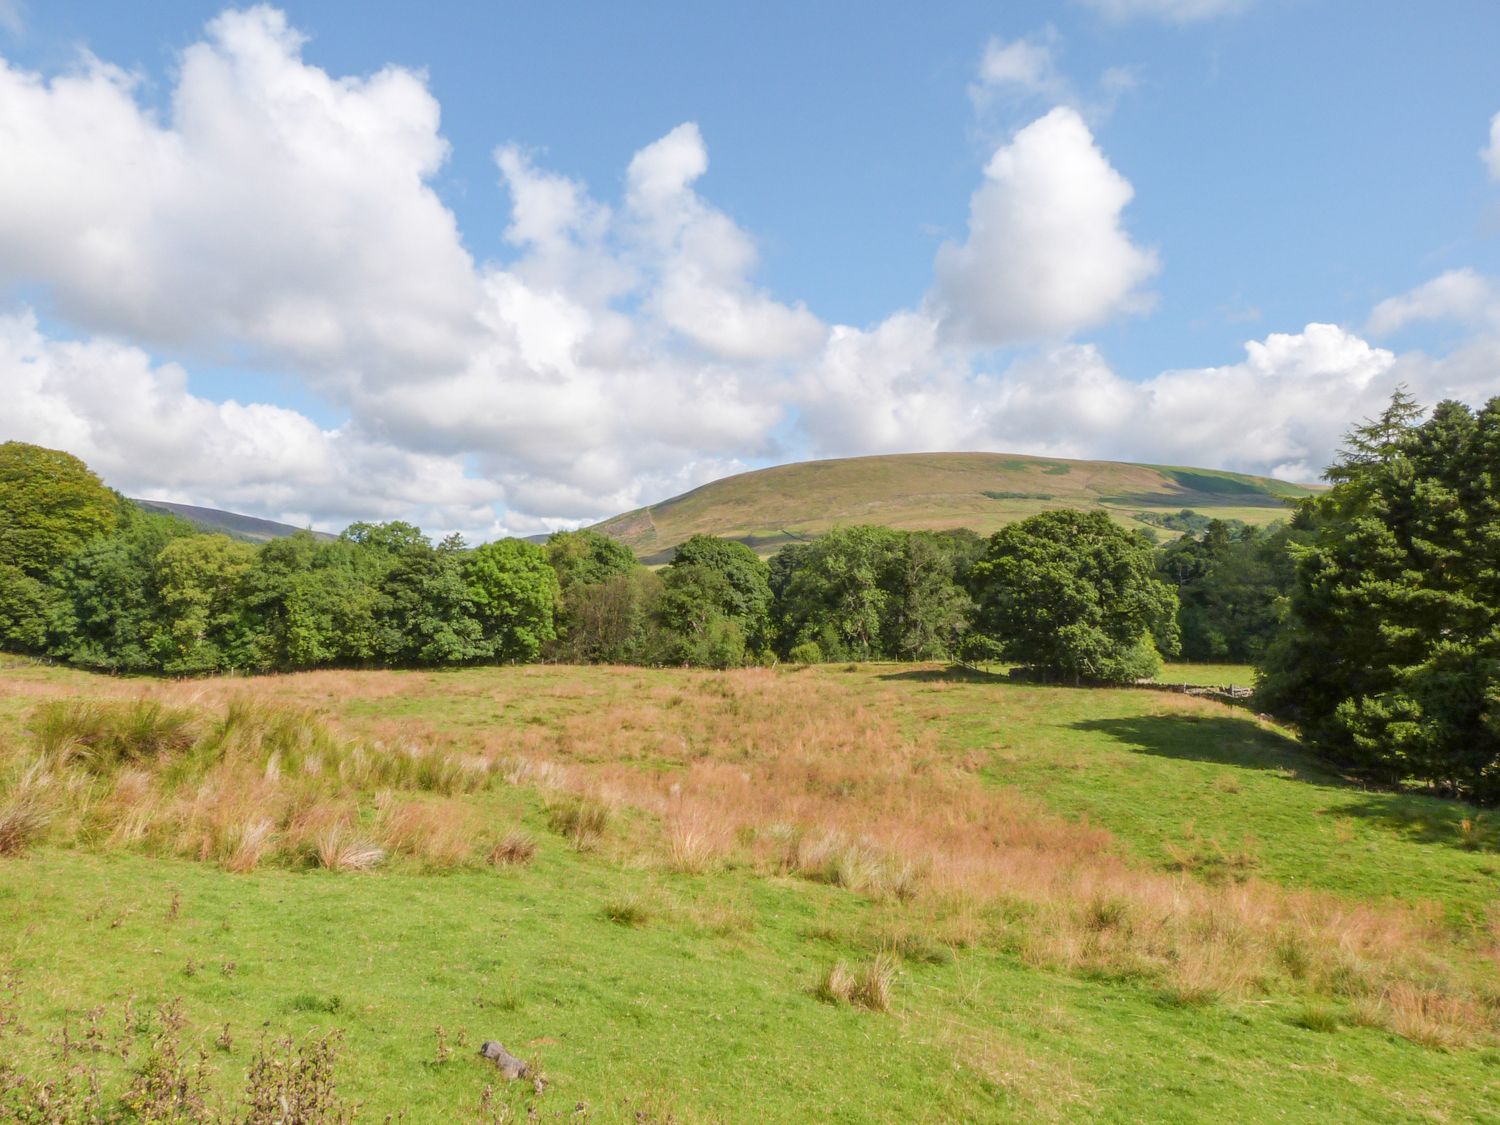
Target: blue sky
{"x": 1258, "y": 166}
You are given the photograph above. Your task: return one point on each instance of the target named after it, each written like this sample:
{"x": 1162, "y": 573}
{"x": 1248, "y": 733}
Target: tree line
{"x": 1372, "y": 613}
{"x": 91, "y": 579}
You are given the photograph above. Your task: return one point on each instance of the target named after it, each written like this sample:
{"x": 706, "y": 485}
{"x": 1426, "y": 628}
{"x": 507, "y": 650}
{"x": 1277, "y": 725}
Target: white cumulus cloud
{"x": 286, "y": 215}
{"x": 1020, "y": 65}
{"x": 1046, "y": 254}
{"x": 139, "y": 426}
{"x": 1282, "y": 410}
{"x": 278, "y": 208}
{"x": 704, "y": 259}
{"x": 1460, "y": 295}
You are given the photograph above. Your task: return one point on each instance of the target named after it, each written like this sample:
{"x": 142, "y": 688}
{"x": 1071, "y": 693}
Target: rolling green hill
{"x": 936, "y": 491}
{"x": 230, "y": 523}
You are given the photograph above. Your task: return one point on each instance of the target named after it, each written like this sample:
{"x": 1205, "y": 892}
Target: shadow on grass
{"x": 953, "y": 674}
{"x": 1233, "y": 742}
{"x": 1223, "y": 741}
{"x": 1429, "y": 820}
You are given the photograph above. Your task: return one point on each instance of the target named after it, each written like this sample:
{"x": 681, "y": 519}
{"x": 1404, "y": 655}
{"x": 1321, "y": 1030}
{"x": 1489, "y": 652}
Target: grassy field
{"x": 1052, "y": 904}
{"x": 936, "y": 491}
{"x": 1208, "y": 675}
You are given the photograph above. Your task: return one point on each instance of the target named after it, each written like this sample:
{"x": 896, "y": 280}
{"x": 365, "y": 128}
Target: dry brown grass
{"x": 1423, "y": 1015}
{"x": 792, "y": 775}
{"x": 239, "y": 787}
{"x": 516, "y": 850}
{"x": 439, "y": 832}
{"x": 867, "y": 985}
{"x": 340, "y": 850}
{"x": 25, "y": 811}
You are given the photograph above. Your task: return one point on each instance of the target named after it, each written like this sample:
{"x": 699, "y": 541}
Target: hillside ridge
{"x": 983, "y": 491}
{"x": 234, "y": 524}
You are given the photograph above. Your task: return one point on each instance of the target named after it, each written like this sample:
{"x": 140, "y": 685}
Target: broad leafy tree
{"x": 616, "y": 621}
{"x": 309, "y": 603}
{"x": 513, "y": 593}
{"x": 1076, "y": 597}
{"x": 585, "y": 558}
{"x": 110, "y": 612}
{"x": 717, "y": 600}
{"x": 832, "y": 592}
{"x": 51, "y": 505}
{"x": 198, "y": 579}
{"x": 424, "y": 614}
{"x": 927, "y": 609}
{"x": 865, "y": 592}
{"x": 27, "y": 608}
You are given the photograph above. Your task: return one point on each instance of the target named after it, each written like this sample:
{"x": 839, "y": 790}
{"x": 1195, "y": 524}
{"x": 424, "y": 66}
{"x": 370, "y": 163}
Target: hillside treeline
{"x": 91, "y": 579}
{"x": 1373, "y": 612}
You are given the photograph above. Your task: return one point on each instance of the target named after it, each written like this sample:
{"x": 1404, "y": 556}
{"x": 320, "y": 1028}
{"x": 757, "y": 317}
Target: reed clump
{"x": 249, "y": 784}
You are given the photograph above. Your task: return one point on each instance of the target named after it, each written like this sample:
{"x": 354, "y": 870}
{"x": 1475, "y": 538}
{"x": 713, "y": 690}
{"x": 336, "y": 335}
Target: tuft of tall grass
{"x": 25, "y": 810}
{"x": 628, "y": 910}
{"x": 582, "y": 820}
{"x": 1423, "y": 1015}
{"x": 516, "y": 850}
{"x": 101, "y": 736}
{"x": 247, "y": 844}
{"x": 438, "y": 832}
{"x": 339, "y": 850}
{"x": 692, "y": 848}
{"x": 836, "y": 985}
{"x": 867, "y": 985}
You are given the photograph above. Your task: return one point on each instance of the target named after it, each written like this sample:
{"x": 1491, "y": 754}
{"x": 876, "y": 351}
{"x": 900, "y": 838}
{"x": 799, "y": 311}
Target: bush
{"x": 807, "y": 652}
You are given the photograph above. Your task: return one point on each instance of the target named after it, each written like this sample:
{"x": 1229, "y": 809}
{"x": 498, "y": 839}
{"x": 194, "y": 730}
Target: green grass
{"x": 982, "y": 491}
{"x": 649, "y": 996}
{"x": 1173, "y": 775}
{"x": 667, "y": 1017}
{"x": 1208, "y": 675}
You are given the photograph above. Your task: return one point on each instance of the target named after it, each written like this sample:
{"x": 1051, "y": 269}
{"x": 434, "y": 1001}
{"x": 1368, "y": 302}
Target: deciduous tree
{"x": 1075, "y": 596}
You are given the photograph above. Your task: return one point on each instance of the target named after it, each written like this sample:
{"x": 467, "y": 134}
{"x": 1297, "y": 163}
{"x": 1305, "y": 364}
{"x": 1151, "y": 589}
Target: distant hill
{"x": 230, "y": 523}
{"x": 937, "y": 491}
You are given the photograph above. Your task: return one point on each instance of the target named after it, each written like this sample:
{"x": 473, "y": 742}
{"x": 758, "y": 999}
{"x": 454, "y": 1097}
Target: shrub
{"x": 808, "y": 652}
{"x": 287, "y": 1083}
